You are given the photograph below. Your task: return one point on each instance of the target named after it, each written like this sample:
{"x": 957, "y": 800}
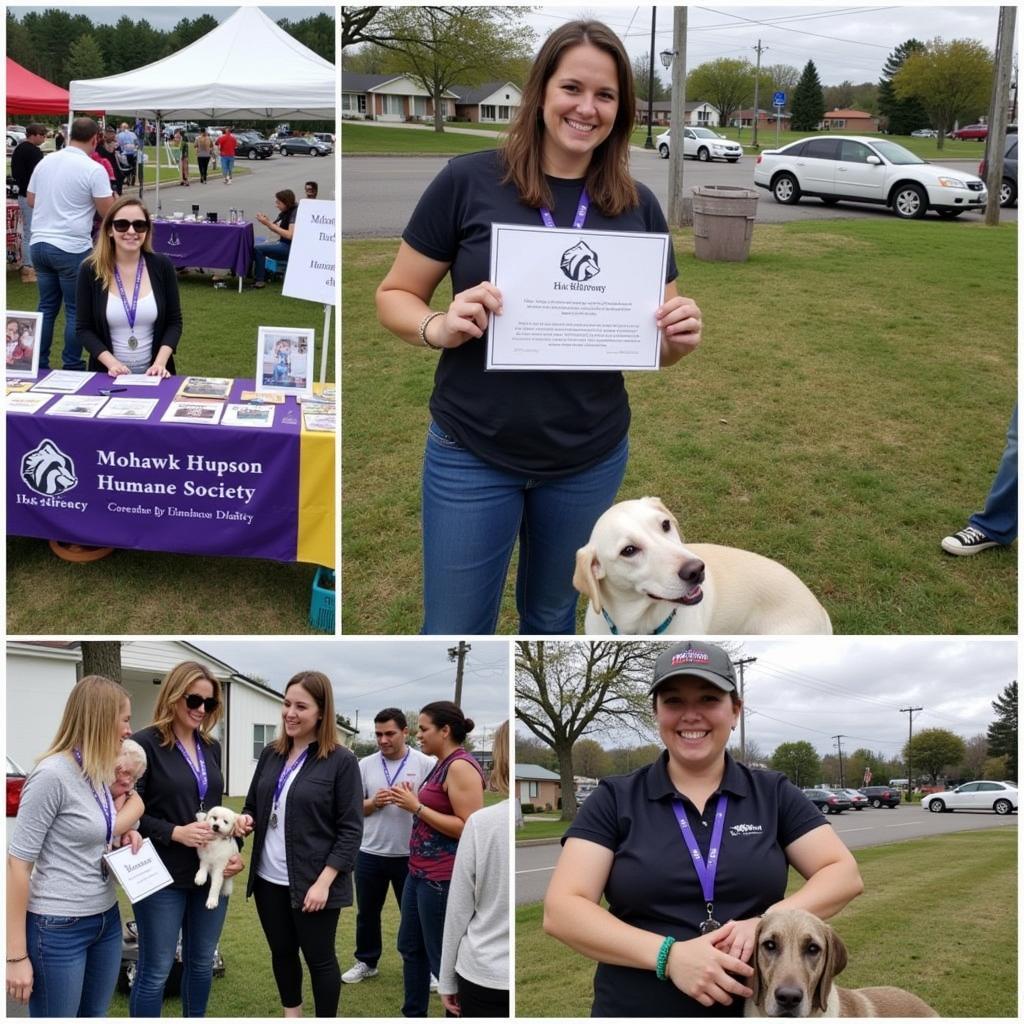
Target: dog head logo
{"x": 580, "y": 262}
{"x": 47, "y": 470}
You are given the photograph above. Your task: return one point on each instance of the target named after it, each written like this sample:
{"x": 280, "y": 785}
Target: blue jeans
{"x": 374, "y": 876}
{"x": 472, "y": 514}
{"x": 26, "y": 231}
{"x": 419, "y": 940}
{"x": 227, "y": 165}
{"x": 159, "y": 919}
{"x": 999, "y": 520}
{"x": 75, "y": 961}
{"x": 57, "y": 273}
{"x": 275, "y": 250}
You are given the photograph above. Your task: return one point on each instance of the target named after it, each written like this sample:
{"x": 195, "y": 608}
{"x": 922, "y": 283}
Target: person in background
{"x": 181, "y": 148}
{"x": 474, "y": 978}
{"x": 63, "y": 922}
{"x": 23, "y": 162}
{"x": 128, "y": 769}
{"x": 59, "y": 141}
{"x": 227, "y": 146}
{"x": 129, "y": 143}
{"x": 107, "y": 147}
{"x": 312, "y": 189}
{"x": 204, "y": 151}
{"x": 284, "y": 227}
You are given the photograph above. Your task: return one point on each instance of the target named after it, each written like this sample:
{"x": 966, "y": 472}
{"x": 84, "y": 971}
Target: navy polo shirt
{"x": 653, "y": 884}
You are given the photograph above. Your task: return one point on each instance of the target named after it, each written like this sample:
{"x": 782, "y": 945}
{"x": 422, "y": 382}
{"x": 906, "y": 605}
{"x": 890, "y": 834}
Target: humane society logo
{"x": 580, "y": 263}
{"x": 47, "y": 470}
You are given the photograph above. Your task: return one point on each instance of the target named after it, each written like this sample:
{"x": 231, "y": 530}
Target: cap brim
{"x": 697, "y": 673}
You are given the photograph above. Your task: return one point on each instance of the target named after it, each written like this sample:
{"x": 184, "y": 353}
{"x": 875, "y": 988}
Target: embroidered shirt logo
{"x": 691, "y": 656}
{"x": 745, "y": 830}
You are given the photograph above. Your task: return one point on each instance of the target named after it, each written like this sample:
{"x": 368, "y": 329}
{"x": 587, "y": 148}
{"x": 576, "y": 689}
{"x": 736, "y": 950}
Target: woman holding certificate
{"x": 534, "y": 454}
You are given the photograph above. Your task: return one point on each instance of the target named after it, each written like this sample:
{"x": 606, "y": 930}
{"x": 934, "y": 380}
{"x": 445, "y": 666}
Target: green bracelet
{"x": 662, "y": 963}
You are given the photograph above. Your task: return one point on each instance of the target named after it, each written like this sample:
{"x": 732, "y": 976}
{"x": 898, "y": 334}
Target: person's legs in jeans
{"x": 200, "y": 934}
{"x": 275, "y": 250}
{"x": 317, "y": 933}
{"x": 557, "y": 522}
{"x": 159, "y": 919}
{"x": 373, "y": 878}
{"x": 273, "y": 905}
{"x": 102, "y": 965}
{"x": 999, "y": 519}
{"x": 26, "y": 232}
{"x": 415, "y": 966}
{"x": 471, "y": 516}
{"x": 57, "y": 273}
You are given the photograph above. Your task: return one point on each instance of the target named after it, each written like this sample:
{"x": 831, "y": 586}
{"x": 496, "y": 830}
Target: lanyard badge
{"x": 705, "y": 871}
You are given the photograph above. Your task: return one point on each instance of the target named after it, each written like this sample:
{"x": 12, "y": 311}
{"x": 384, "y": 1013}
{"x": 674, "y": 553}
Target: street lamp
{"x": 666, "y": 58}
{"x": 649, "y": 141}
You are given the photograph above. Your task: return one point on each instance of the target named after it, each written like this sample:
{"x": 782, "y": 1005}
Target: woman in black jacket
{"x": 306, "y": 806}
{"x": 129, "y": 313}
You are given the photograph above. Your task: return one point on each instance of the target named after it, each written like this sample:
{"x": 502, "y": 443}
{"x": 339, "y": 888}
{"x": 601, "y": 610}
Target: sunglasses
{"x": 193, "y": 702}
{"x": 140, "y": 227}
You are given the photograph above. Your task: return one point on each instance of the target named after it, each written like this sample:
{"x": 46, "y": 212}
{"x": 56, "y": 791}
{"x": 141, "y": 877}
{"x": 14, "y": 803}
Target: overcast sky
{"x": 369, "y": 675}
{"x": 167, "y": 17}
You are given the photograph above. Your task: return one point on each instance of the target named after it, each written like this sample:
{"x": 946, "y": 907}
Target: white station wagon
{"x": 1000, "y": 797}
{"x": 859, "y": 169}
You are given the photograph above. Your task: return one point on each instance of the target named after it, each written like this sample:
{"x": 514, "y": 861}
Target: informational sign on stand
{"x": 312, "y": 262}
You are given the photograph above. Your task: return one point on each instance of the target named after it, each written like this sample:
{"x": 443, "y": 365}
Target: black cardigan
{"x": 323, "y": 825}
{"x": 91, "y": 328}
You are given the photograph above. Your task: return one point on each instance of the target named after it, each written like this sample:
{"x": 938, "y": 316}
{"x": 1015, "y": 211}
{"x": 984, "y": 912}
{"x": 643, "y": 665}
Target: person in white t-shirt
{"x": 383, "y": 860}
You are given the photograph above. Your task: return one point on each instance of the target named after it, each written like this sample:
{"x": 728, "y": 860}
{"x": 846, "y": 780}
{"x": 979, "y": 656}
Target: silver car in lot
{"x": 862, "y": 169}
{"x": 1000, "y": 797}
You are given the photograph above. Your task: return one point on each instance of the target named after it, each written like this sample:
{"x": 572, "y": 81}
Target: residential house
{"x": 765, "y": 119}
{"x": 390, "y": 98}
{"x": 537, "y": 786}
{"x": 853, "y": 122}
{"x": 491, "y": 103}
{"x": 698, "y": 114}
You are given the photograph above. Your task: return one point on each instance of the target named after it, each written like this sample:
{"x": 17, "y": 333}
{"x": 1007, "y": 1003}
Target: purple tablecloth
{"x": 201, "y": 244}
{"x": 209, "y": 490}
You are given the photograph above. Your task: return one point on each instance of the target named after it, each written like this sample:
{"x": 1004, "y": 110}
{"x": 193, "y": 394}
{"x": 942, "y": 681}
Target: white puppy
{"x": 213, "y": 857}
{"x": 639, "y": 575}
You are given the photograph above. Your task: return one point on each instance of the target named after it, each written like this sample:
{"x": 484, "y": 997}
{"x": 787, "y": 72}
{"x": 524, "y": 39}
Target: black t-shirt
{"x": 545, "y": 424}
{"x": 23, "y": 161}
{"x": 653, "y": 884}
{"x": 285, "y": 219}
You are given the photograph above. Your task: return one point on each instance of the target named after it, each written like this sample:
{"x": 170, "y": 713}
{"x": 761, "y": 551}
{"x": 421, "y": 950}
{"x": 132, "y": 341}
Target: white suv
{"x": 861, "y": 169}
{"x": 702, "y": 143}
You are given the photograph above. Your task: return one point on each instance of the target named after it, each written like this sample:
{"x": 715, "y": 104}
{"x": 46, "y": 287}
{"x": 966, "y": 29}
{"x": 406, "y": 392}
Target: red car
{"x": 15, "y": 782}
{"x": 971, "y": 131}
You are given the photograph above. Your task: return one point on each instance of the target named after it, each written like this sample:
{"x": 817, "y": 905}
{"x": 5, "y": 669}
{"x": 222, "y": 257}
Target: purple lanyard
{"x": 198, "y": 769}
{"x": 286, "y": 773}
{"x": 130, "y": 311}
{"x": 581, "y": 212}
{"x": 391, "y": 778}
{"x": 705, "y": 872}
{"x": 108, "y": 807}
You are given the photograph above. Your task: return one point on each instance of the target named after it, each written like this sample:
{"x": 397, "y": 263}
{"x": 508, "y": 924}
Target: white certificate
{"x": 576, "y": 300}
{"x": 140, "y": 874}
{"x": 138, "y": 380}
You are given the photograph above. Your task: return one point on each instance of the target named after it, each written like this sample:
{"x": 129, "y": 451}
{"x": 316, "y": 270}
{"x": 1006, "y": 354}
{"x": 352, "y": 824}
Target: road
{"x": 857, "y": 829}
{"x": 381, "y": 192}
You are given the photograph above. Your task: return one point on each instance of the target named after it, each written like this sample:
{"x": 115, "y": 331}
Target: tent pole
{"x": 159, "y": 137}
{"x": 326, "y": 343}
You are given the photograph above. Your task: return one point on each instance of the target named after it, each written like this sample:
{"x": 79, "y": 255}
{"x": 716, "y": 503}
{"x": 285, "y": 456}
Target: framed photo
{"x": 23, "y": 333}
{"x": 284, "y": 360}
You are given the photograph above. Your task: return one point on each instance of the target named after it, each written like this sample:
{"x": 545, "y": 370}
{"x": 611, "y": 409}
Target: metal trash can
{"x": 723, "y": 222}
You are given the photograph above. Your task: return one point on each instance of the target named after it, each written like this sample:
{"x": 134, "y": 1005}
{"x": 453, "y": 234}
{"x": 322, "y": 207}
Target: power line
{"x": 798, "y": 31}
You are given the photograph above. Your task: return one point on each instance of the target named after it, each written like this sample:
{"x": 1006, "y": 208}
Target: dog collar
{"x": 654, "y": 632}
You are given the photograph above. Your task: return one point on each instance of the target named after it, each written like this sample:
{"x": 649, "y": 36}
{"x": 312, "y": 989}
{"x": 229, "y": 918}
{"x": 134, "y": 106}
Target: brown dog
{"x": 796, "y": 956}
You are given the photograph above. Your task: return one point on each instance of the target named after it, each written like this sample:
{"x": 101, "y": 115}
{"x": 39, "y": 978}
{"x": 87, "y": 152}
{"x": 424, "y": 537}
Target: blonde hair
{"x": 133, "y": 757}
{"x": 90, "y": 725}
{"x": 318, "y": 686}
{"x": 101, "y": 259}
{"x": 175, "y": 685}
{"x": 499, "y": 773}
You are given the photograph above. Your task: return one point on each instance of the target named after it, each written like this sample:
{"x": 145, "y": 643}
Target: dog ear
{"x": 834, "y": 963}
{"x": 660, "y": 506}
{"x": 757, "y": 983}
{"x": 588, "y": 572}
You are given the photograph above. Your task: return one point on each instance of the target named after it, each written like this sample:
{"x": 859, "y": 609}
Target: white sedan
{"x": 863, "y": 169}
{"x": 1000, "y": 797}
{"x": 703, "y": 144}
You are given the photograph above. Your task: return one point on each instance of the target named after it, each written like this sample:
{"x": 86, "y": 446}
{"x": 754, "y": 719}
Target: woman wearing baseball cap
{"x": 688, "y": 852}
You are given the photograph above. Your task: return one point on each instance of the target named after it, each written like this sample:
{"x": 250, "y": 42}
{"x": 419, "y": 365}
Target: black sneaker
{"x": 968, "y": 541}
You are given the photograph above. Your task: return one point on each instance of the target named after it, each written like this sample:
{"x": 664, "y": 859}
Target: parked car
{"x": 15, "y": 783}
{"x": 881, "y": 796}
{"x": 858, "y": 801}
{"x": 253, "y": 146}
{"x": 327, "y": 137}
{"x": 924, "y": 133}
{"x": 971, "y": 131}
{"x": 14, "y": 138}
{"x": 862, "y": 169}
{"x": 1008, "y": 187}
{"x": 827, "y": 802}
{"x": 702, "y": 144}
{"x": 1000, "y": 797}
{"x": 305, "y": 147}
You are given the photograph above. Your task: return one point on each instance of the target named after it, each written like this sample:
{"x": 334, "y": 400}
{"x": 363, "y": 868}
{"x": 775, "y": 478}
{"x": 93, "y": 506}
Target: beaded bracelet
{"x": 17, "y": 959}
{"x": 662, "y": 962}
{"x": 423, "y": 331}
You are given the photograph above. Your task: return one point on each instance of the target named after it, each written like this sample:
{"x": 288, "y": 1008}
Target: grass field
{"x": 364, "y": 139}
{"x": 541, "y": 829}
{"x": 846, "y": 410}
{"x": 151, "y": 592}
{"x": 938, "y": 916}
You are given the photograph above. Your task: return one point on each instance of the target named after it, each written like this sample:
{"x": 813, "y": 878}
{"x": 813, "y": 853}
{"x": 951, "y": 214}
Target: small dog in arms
{"x": 214, "y": 856}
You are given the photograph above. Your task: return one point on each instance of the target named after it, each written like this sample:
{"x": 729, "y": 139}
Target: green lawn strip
{"x": 938, "y": 917}
{"x": 846, "y": 410}
{"x": 541, "y": 829}
{"x": 151, "y": 592}
{"x": 365, "y": 139}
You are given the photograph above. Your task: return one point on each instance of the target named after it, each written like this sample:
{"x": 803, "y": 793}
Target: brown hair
{"x": 318, "y": 686}
{"x": 499, "y": 773}
{"x": 287, "y": 196}
{"x": 101, "y": 259}
{"x": 175, "y": 685}
{"x": 609, "y": 183}
{"x": 446, "y": 712}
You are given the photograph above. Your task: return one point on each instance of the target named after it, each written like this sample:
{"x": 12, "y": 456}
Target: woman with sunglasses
{"x": 183, "y": 776}
{"x": 129, "y": 314}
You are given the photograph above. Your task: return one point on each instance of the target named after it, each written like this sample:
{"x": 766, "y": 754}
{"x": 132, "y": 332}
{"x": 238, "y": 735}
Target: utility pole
{"x": 680, "y": 212}
{"x": 995, "y": 144}
{"x": 459, "y": 654}
{"x": 649, "y": 141}
{"x": 743, "y": 710}
{"x": 757, "y": 88}
{"x": 910, "y": 761}
{"x": 839, "y": 744}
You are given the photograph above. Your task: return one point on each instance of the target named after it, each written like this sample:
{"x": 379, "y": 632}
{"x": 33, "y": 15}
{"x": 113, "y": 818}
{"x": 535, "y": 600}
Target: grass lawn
{"x": 541, "y": 829}
{"x": 938, "y": 917}
{"x": 846, "y": 410}
{"x": 152, "y": 592}
{"x": 357, "y": 138}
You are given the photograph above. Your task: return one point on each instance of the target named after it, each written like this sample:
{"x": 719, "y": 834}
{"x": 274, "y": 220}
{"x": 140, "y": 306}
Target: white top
{"x": 386, "y": 832}
{"x": 273, "y": 865}
{"x": 476, "y": 941}
{"x": 64, "y": 185}
{"x": 145, "y": 320}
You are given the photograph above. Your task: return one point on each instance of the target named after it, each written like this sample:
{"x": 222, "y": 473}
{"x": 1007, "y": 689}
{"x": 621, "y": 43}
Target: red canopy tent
{"x": 29, "y": 94}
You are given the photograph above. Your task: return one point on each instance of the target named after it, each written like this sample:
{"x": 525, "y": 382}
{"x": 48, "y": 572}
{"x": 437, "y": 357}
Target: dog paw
{"x": 211, "y": 903}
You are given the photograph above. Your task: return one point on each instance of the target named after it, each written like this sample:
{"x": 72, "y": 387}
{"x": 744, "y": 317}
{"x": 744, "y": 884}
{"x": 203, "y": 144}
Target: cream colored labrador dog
{"x": 641, "y": 579}
{"x": 214, "y": 856}
{"x": 796, "y": 956}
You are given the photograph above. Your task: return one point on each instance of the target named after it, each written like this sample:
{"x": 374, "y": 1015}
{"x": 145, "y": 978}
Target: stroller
{"x": 130, "y": 963}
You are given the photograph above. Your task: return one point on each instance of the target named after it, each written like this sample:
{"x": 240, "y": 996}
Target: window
{"x": 838, "y": 123}
{"x": 533, "y": 790}
{"x": 262, "y": 736}
{"x": 503, "y": 113}
{"x": 486, "y": 111}
{"x": 419, "y": 106}
{"x": 971, "y": 787}
{"x": 353, "y": 103}
{"x": 820, "y": 149}
{"x": 853, "y": 152}
{"x": 393, "y": 105}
